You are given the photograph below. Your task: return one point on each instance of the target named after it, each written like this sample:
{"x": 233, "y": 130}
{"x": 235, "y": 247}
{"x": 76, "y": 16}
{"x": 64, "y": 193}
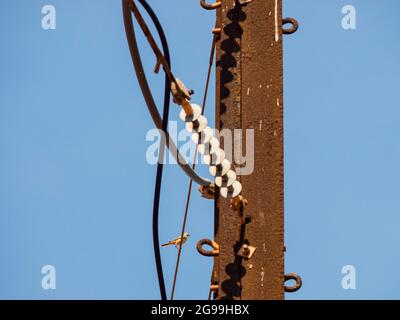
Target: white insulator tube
{"x": 226, "y": 180}
{"x": 231, "y": 191}
{"x": 198, "y": 125}
{"x": 216, "y": 158}
{"x": 196, "y": 114}
{"x": 210, "y": 147}
{"x": 220, "y": 169}
{"x": 202, "y": 137}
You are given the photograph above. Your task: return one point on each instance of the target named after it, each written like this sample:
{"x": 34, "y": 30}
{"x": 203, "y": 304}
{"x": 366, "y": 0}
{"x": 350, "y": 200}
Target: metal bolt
{"x": 214, "y": 287}
{"x": 244, "y": 2}
{"x": 216, "y": 31}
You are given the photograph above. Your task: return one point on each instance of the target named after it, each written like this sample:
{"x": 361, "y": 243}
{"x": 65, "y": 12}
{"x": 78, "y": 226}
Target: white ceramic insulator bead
{"x": 210, "y": 147}
{"x": 216, "y": 158}
{"x": 203, "y": 137}
{"x": 199, "y": 127}
{"x": 231, "y": 192}
{"x": 220, "y": 169}
{"x": 196, "y": 113}
{"x": 226, "y": 180}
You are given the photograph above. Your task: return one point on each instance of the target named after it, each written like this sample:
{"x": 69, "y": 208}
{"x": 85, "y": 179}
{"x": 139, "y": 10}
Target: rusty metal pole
{"x": 249, "y": 96}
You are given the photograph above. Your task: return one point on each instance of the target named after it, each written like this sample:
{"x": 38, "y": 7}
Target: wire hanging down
{"x": 206, "y": 143}
{"x": 211, "y": 61}
{"x": 159, "y": 173}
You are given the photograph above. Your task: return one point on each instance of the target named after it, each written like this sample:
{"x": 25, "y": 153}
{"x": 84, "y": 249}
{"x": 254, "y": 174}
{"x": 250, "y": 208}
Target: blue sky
{"x": 76, "y": 190}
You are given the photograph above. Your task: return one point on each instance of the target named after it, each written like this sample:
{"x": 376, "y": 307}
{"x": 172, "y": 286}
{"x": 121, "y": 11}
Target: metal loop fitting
{"x": 297, "y": 285}
{"x": 210, "y": 6}
{"x": 293, "y": 28}
{"x": 208, "y": 253}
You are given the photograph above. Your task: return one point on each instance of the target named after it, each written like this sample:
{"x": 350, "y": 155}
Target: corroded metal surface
{"x": 249, "y": 95}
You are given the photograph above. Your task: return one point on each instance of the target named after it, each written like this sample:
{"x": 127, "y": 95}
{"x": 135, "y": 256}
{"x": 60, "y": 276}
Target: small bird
{"x": 177, "y": 241}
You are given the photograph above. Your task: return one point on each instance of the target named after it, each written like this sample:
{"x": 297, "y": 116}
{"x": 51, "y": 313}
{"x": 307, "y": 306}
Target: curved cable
{"x": 144, "y": 86}
{"x": 161, "y": 124}
{"x": 159, "y": 173}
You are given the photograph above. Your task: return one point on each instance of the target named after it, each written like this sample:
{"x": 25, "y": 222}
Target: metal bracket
{"x": 246, "y": 251}
{"x": 208, "y": 192}
{"x": 181, "y": 95}
{"x": 179, "y": 91}
{"x": 238, "y": 204}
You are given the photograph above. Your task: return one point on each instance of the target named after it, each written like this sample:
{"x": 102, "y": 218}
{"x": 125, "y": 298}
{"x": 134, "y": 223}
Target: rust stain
{"x": 247, "y": 60}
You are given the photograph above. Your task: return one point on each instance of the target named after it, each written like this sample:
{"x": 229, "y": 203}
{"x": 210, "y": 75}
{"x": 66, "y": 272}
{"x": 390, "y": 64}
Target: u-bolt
{"x": 210, "y": 6}
{"x": 208, "y": 253}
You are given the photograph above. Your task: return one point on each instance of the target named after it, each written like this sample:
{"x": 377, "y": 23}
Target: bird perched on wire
{"x": 177, "y": 241}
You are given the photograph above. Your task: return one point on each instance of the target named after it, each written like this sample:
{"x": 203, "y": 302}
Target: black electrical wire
{"x": 159, "y": 173}
{"x": 160, "y": 123}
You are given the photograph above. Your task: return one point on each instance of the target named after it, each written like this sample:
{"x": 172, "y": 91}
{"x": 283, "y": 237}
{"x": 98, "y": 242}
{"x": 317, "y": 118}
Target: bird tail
{"x": 166, "y": 244}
